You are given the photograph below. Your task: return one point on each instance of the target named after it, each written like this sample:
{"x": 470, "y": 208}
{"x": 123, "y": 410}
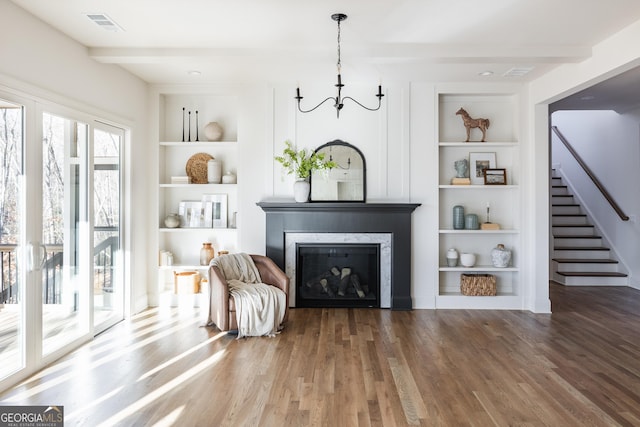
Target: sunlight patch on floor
{"x": 181, "y": 356}
{"x": 162, "y": 390}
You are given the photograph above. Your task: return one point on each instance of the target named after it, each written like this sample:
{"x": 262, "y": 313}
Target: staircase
{"x": 579, "y": 257}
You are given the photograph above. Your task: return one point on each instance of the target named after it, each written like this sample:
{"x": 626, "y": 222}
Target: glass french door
{"x": 61, "y": 277}
{"x": 108, "y": 275}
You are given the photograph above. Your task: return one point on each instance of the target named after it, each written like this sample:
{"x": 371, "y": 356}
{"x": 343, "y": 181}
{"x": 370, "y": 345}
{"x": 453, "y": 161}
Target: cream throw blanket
{"x": 260, "y": 307}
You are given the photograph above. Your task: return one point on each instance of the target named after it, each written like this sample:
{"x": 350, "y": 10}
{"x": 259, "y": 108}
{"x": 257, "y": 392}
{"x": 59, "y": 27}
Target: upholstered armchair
{"x": 222, "y": 307}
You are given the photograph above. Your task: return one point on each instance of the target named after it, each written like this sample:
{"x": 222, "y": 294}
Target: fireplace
{"x": 337, "y": 275}
{"x": 385, "y": 224}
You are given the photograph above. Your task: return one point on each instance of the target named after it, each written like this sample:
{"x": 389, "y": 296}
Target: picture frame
{"x": 215, "y": 210}
{"x": 478, "y": 162}
{"x": 191, "y": 214}
{"x": 495, "y": 176}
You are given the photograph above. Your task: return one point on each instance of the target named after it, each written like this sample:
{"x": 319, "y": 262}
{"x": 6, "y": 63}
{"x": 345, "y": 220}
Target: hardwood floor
{"x": 579, "y": 366}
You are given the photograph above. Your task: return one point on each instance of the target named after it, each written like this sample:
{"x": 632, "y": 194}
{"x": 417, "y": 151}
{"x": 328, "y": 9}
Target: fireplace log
{"x": 317, "y": 279}
{"x": 326, "y": 287}
{"x": 344, "y": 280}
{"x": 355, "y": 282}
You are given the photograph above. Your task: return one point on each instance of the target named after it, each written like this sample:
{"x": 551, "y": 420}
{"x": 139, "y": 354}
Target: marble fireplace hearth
{"x": 385, "y": 224}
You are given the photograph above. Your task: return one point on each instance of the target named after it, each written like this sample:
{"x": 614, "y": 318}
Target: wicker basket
{"x": 478, "y": 284}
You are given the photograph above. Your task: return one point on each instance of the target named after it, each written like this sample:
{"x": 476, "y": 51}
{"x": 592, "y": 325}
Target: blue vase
{"x": 471, "y": 222}
{"x": 458, "y": 217}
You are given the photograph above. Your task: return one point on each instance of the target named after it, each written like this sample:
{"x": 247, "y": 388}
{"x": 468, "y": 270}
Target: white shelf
{"x": 183, "y": 267}
{"x": 477, "y": 144}
{"x": 451, "y": 231}
{"x": 478, "y": 268}
{"x": 201, "y": 186}
{"x": 477, "y": 187}
{"x": 219, "y": 105}
{"x": 203, "y": 144}
{"x": 198, "y": 229}
{"x": 503, "y": 138}
{"x": 452, "y": 300}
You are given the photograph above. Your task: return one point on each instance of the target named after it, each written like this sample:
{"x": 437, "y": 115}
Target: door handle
{"x": 36, "y": 256}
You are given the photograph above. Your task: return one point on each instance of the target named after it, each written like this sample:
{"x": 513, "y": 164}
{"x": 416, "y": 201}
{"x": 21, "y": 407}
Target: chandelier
{"x": 339, "y": 99}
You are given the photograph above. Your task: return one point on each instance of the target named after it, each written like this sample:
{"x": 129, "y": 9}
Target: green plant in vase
{"x": 301, "y": 163}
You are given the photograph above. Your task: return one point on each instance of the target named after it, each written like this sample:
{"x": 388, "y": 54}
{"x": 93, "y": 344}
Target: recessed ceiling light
{"x": 517, "y": 71}
{"x": 104, "y": 22}
{"x": 485, "y": 73}
{"x": 194, "y": 72}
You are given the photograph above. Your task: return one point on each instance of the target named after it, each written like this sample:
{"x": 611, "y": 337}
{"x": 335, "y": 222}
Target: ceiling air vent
{"x": 517, "y": 71}
{"x": 104, "y": 21}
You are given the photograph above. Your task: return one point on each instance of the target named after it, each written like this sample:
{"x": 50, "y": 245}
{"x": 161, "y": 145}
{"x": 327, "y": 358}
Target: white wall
{"x": 609, "y": 144}
{"x": 41, "y": 62}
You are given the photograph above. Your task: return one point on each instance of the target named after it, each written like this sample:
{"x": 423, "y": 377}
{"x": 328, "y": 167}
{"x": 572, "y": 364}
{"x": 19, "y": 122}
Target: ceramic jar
{"x": 458, "y": 217}
{"x": 206, "y": 254}
{"x": 471, "y": 222}
{"x": 229, "y": 178}
{"x": 214, "y": 171}
{"x": 452, "y": 258}
{"x": 213, "y": 131}
{"x": 467, "y": 259}
{"x": 500, "y": 256}
{"x": 172, "y": 220}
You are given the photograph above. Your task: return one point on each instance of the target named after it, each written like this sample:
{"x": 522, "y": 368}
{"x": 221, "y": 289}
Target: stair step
{"x": 585, "y": 260}
{"x": 573, "y": 230}
{"x": 591, "y": 279}
{"x": 584, "y": 265}
{"x": 592, "y": 274}
{"x": 577, "y": 241}
{"x": 596, "y": 252}
{"x": 580, "y": 248}
{"x": 562, "y": 199}
{"x": 569, "y": 219}
{"x": 566, "y": 209}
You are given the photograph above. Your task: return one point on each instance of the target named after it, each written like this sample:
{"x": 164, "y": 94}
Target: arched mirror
{"x": 347, "y": 182}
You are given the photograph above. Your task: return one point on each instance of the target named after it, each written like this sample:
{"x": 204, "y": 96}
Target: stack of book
{"x": 181, "y": 180}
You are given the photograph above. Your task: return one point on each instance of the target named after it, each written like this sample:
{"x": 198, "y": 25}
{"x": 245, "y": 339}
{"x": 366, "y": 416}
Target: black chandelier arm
{"x": 310, "y": 110}
{"x": 364, "y": 106}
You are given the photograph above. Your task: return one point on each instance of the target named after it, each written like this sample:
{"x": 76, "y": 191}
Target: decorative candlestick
{"x": 183, "y": 124}
{"x": 489, "y": 225}
{"x": 197, "y": 126}
{"x": 189, "y": 126}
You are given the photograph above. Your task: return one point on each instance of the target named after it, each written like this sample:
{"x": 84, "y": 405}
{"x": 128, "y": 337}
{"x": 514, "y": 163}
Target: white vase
{"x": 467, "y": 259}
{"x": 452, "y": 257}
{"x": 500, "y": 256}
{"x": 301, "y": 190}
{"x": 214, "y": 171}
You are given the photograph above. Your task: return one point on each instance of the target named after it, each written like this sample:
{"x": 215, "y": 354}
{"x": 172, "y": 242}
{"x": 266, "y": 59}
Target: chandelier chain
{"x": 339, "y": 63}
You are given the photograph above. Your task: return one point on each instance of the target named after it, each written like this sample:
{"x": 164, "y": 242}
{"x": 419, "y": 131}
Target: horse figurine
{"x": 482, "y": 124}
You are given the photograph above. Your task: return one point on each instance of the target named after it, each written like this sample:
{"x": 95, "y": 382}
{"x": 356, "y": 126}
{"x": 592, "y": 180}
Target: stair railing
{"x": 591, "y": 175}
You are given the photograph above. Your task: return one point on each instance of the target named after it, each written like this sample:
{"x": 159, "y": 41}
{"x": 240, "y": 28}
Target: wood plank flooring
{"x": 579, "y": 366}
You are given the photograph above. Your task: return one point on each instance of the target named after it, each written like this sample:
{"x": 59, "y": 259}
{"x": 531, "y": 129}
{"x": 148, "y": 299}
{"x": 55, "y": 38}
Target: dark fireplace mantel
{"x": 347, "y": 217}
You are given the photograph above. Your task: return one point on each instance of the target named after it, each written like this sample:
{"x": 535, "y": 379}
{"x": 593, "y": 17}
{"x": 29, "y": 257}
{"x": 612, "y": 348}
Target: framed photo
{"x": 495, "y": 176}
{"x": 478, "y": 162}
{"x": 215, "y": 210}
{"x": 191, "y": 214}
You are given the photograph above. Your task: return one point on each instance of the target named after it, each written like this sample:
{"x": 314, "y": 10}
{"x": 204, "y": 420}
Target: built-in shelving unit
{"x": 176, "y": 145}
{"x": 503, "y": 200}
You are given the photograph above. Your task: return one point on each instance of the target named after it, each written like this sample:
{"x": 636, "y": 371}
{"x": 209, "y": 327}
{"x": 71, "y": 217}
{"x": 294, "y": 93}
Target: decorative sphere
{"x": 213, "y": 131}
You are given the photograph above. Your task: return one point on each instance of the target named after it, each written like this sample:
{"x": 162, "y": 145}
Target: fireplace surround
{"x": 352, "y": 221}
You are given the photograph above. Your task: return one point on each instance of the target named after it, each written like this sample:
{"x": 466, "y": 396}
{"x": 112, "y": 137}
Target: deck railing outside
{"x": 103, "y": 265}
